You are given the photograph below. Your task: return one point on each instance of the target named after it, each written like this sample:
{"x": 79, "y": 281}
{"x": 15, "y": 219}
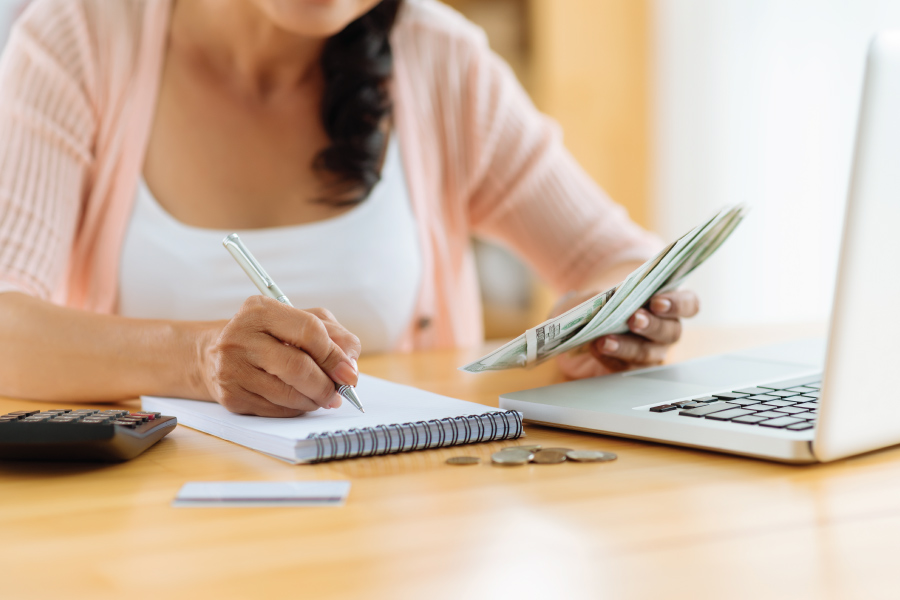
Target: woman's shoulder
{"x": 89, "y": 32}
{"x": 430, "y": 22}
{"x": 100, "y": 46}
{"x": 92, "y": 18}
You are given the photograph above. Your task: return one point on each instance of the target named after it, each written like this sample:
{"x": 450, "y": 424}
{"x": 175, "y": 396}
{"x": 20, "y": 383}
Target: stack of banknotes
{"x": 608, "y": 312}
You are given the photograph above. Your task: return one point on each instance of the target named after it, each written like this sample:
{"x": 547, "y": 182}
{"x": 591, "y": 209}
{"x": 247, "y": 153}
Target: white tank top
{"x": 365, "y": 265}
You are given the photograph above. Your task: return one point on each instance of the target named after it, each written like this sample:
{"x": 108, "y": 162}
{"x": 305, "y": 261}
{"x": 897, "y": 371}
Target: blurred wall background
{"x": 677, "y": 107}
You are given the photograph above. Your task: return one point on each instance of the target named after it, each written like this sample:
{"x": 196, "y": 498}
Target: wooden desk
{"x": 660, "y": 522}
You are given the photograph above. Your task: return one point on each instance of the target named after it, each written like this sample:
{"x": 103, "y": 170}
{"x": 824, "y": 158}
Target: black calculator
{"x": 80, "y": 435}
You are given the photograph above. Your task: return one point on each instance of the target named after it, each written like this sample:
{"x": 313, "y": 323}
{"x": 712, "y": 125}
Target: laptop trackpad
{"x": 724, "y": 372}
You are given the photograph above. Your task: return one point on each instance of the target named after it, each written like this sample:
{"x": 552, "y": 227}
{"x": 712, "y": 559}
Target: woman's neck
{"x": 238, "y": 44}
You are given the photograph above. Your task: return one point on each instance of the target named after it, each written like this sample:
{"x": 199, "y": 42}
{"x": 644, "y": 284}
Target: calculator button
{"x": 128, "y": 424}
{"x": 85, "y": 411}
{"x": 22, "y": 413}
{"x": 150, "y": 415}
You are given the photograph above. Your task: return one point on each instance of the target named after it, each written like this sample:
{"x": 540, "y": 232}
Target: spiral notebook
{"x": 398, "y": 418}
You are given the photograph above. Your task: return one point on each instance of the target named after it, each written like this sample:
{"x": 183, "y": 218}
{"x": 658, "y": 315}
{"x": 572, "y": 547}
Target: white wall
{"x": 755, "y": 101}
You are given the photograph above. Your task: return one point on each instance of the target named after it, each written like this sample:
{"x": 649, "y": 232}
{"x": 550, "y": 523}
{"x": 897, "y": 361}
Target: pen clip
{"x": 237, "y": 248}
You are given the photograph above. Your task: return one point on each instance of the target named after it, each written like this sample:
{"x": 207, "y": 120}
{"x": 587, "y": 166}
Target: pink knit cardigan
{"x": 78, "y": 87}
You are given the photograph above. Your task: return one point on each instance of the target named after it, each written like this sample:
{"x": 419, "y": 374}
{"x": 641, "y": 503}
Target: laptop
{"x": 800, "y": 402}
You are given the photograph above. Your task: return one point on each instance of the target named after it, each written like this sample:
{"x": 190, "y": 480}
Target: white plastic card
{"x": 262, "y": 493}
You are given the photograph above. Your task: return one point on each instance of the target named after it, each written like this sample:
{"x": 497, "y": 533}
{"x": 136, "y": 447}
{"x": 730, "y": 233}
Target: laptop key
{"x": 752, "y": 390}
{"x": 781, "y": 403}
{"x": 805, "y": 415}
{"x": 789, "y": 410}
{"x": 663, "y": 408}
{"x": 789, "y": 383}
{"x": 802, "y": 389}
{"x": 780, "y": 422}
{"x": 749, "y": 419}
{"x": 727, "y": 415}
{"x": 707, "y": 409}
{"x": 812, "y": 405}
{"x": 763, "y": 397}
{"x": 744, "y": 402}
{"x": 730, "y": 396}
{"x": 688, "y": 405}
{"x": 784, "y": 394}
{"x": 706, "y": 399}
{"x": 769, "y": 414}
{"x": 800, "y": 426}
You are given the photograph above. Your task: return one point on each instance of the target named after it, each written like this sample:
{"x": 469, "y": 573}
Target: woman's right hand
{"x": 274, "y": 360}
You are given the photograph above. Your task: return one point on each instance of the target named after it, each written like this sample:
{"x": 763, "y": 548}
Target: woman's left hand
{"x": 653, "y": 330}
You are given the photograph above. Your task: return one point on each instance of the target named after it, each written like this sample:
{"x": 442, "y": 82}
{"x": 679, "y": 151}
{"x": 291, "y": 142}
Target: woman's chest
{"x": 364, "y": 266}
{"x": 216, "y": 159}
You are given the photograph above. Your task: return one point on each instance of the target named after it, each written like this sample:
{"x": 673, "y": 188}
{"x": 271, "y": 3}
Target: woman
{"x": 355, "y": 144}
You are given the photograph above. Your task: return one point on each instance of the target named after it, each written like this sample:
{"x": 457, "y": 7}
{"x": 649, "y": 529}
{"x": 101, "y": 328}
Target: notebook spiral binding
{"x": 418, "y": 435}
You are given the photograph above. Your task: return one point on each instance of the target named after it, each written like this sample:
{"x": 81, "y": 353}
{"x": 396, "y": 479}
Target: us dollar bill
{"x": 555, "y": 331}
{"x": 609, "y": 311}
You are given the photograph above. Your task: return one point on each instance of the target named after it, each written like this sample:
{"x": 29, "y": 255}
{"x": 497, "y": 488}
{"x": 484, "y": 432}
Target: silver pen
{"x": 267, "y": 286}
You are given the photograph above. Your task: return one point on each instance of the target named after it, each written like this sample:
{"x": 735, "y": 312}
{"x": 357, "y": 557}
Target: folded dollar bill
{"x": 609, "y": 311}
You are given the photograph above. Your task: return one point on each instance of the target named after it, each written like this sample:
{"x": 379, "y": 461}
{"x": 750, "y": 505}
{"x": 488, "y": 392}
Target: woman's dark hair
{"x": 357, "y": 64}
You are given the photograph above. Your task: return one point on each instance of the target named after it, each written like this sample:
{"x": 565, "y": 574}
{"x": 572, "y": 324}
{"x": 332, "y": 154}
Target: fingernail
{"x": 610, "y": 345}
{"x": 661, "y": 305}
{"x": 355, "y": 367}
{"x": 639, "y": 322}
{"x": 344, "y": 373}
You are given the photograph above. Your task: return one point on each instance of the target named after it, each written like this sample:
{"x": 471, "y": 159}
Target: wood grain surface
{"x": 660, "y": 522}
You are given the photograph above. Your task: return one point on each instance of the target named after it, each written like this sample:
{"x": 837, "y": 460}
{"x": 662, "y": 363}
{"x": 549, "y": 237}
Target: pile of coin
{"x": 520, "y": 455}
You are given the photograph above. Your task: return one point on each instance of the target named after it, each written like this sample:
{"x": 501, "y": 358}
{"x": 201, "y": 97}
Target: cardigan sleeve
{"x": 527, "y": 192}
{"x": 47, "y": 124}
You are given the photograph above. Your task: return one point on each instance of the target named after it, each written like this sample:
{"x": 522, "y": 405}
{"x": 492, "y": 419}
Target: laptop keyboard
{"x": 790, "y": 404}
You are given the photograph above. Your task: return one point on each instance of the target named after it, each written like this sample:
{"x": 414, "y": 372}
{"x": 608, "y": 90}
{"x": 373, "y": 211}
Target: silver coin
{"x": 533, "y": 448}
{"x": 563, "y": 450}
{"x": 549, "y": 457}
{"x": 590, "y": 456}
{"x": 463, "y": 460}
{"x": 512, "y": 457}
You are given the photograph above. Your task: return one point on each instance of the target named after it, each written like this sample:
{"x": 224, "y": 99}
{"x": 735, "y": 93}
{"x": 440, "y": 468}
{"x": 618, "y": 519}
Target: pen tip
{"x": 350, "y": 395}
